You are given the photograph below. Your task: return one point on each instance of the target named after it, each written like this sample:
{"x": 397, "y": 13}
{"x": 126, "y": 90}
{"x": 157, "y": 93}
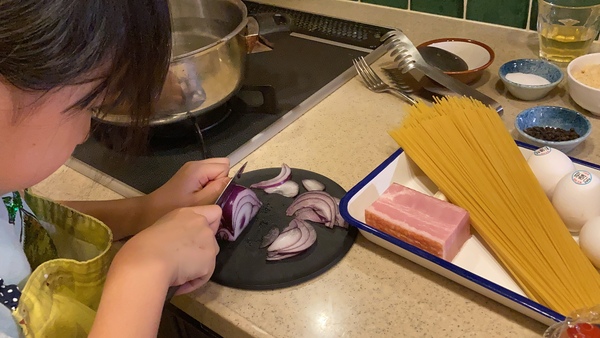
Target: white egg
{"x": 550, "y": 165}
{"x": 577, "y": 198}
{"x": 589, "y": 240}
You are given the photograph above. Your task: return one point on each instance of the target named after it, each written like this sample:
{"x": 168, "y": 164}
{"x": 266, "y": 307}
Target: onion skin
{"x": 239, "y": 208}
{"x": 284, "y": 175}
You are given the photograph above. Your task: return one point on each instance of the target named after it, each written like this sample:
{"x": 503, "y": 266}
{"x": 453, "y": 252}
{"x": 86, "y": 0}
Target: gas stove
{"x": 308, "y": 61}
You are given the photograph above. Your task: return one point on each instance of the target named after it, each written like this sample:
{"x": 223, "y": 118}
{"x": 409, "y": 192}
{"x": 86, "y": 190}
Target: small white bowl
{"x": 530, "y": 92}
{"x": 586, "y": 96}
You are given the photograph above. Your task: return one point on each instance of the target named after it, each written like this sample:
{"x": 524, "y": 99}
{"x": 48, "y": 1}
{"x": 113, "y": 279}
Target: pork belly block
{"x": 433, "y": 225}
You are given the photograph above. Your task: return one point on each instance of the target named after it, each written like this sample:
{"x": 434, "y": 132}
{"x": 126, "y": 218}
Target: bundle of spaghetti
{"x": 465, "y": 149}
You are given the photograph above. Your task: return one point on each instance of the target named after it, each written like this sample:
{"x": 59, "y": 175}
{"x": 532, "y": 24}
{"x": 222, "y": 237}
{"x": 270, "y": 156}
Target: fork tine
{"x": 368, "y": 72}
{"x": 361, "y": 71}
{"x": 377, "y": 81}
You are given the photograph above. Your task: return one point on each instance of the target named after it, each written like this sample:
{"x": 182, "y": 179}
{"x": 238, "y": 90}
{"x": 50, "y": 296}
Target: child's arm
{"x": 196, "y": 183}
{"x": 179, "y": 249}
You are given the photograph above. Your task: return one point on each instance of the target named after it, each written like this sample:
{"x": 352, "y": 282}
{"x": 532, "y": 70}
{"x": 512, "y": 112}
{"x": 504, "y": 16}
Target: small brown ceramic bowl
{"x": 477, "y": 55}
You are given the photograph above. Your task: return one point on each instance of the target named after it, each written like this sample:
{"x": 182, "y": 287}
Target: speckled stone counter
{"x": 371, "y": 292}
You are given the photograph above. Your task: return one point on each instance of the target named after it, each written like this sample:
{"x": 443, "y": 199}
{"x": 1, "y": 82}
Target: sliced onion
{"x": 313, "y": 185}
{"x": 240, "y": 206}
{"x": 308, "y": 237}
{"x": 303, "y": 238}
{"x": 286, "y": 240}
{"x": 310, "y": 240}
{"x": 339, "y": 220}
{"x": 321, "y": 202}
{"x": 270, "y": 237}
{"x": 284, "y": 175}
{"x": 287, "y": 189}
{"x": 278, "y": 257}
{"x": 293, "y": 225}
{"x": 309, "y": 214}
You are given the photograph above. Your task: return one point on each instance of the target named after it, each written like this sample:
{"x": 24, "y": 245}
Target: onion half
{"x": 239, "y": 208}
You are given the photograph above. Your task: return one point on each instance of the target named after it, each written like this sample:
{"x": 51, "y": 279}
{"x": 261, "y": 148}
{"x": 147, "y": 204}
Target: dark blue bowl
{"x": 557, "y": 117}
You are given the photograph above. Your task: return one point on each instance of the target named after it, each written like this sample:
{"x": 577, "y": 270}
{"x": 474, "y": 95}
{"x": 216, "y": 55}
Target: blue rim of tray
{"x": 485, "y": 283}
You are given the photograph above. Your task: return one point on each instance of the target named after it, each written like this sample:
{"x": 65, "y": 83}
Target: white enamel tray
{"x": 473, "y": 267}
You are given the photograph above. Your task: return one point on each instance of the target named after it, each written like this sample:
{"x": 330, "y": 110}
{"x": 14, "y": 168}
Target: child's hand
{"x": 179, "y": 249}
{"x": 196, "y": 183}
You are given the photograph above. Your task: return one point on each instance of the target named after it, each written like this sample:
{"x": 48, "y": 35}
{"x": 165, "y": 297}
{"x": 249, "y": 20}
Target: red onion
{"x": 287, "y": 189}
{"x": 283, "y": 176}
{"x": 240, "y": 206}
{"x": 309, "y": 214}
{"x": 270, "y": 237}
{"x": 293, "y": 225}
{"x": 321, "y": 202}
{"x": 311, "y": 238}
{"x": 303, "y": 238}
{"x": 292, "y": 242}
{"x": 313, "y": 185}
{"x": 278, "y": 257}
{"x": 340, "y": 221}
{"x": 285, "y": 240}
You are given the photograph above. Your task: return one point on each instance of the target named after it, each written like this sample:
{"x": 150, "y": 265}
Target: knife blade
{"x": 229, "y": 186}
{"x": 220, "y": 200}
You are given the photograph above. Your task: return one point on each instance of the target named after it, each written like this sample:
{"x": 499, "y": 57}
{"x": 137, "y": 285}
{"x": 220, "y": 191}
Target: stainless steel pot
{"x": 211, "y": 40}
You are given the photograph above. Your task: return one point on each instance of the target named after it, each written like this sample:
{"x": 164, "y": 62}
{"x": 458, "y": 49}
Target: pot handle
{"x": 252, "y": 30}
{"x": 262, "y": 24}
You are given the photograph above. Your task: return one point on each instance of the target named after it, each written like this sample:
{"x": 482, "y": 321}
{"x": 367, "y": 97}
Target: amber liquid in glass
{"x": 561, "y": 43}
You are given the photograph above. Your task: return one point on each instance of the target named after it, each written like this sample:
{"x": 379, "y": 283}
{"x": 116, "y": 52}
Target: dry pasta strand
{"x": 464, "y": 148}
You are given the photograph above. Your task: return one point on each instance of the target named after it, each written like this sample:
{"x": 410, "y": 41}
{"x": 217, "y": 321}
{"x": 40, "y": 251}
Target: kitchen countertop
{"x": 371, "y": 292}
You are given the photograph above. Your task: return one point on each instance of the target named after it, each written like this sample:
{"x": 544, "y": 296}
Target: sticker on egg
{"x": 589, "y": 240}
{"x": 549, "y": 165}
{"x": 576, "y": 198}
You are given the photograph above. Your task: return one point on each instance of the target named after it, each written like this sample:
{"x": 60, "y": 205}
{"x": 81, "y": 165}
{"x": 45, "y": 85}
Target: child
{"x": 59, "y": 60}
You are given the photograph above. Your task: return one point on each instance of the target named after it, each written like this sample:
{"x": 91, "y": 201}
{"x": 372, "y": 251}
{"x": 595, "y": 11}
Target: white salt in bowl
{"x": 530, "y": 79}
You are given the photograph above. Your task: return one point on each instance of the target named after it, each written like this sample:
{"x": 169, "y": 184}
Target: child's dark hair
{"x": 47, "y": 44}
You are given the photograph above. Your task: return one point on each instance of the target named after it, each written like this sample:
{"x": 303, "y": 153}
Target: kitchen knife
{"x": 229, "y": 186}
{"x": 220, "y": 200}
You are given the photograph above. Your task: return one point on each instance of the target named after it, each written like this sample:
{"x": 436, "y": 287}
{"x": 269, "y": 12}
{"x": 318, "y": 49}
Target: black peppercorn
{"x": 552, "y": 133}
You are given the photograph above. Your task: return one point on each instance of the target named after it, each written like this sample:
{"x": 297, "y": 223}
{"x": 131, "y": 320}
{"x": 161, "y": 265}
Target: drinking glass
{"x": 567, "y": 28}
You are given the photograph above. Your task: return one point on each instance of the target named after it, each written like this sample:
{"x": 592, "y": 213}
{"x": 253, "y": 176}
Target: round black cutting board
{"x": 243, "y": 265}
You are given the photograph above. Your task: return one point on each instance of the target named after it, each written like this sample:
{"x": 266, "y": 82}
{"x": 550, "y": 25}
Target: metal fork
{"x": 374, "y": 82}
{"x": 409, "y": 59}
